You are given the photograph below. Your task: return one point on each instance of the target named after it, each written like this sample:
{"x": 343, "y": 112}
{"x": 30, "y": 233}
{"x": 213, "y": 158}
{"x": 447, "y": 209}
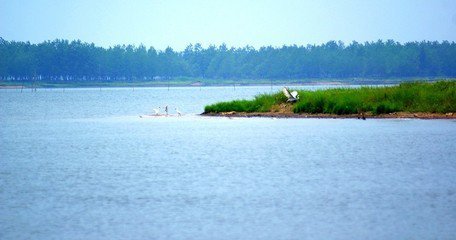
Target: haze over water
{"x": 82, "y": 164}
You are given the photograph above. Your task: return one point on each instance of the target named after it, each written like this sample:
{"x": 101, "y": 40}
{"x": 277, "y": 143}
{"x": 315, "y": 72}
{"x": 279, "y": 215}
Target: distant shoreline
{"x": 183, "y": 85}
{"x": 212, "y": 83}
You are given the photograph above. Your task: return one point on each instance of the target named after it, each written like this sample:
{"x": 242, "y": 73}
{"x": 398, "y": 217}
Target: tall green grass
{"x": 438, "y": 97}
{"x": 261, "y": 103}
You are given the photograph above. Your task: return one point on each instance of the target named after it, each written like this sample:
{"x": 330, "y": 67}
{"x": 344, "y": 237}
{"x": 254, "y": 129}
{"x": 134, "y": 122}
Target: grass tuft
{"x": 261, "y": 103}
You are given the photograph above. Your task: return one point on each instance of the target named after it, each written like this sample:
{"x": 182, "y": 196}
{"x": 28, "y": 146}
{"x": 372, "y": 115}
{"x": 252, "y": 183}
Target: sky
{"x": 237, "y": 23}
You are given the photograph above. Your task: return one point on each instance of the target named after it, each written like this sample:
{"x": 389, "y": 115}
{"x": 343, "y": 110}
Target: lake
{"x": 82, "y": 164}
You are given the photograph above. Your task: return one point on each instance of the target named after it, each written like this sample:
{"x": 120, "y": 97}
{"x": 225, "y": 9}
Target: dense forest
{"x": 62, "y": 60}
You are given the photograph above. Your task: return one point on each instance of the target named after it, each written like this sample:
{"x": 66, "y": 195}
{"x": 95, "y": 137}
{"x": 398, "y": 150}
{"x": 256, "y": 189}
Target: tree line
{"x": 62, "y": 60}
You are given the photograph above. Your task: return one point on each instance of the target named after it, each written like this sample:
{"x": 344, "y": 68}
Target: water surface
{"x": 81, "y": 164}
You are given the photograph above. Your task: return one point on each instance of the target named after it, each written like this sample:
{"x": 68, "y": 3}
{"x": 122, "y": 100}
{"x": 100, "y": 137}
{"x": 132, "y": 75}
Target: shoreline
{"x": 160, "y": 85}
{"x": 396, "y": 115}
{"x": 215, "y": 83}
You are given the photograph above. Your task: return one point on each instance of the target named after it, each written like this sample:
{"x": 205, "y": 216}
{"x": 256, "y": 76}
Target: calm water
{"x": 81, "y": 164}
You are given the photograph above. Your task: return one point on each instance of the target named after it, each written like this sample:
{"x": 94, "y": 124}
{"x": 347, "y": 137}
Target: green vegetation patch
{"x": 438, "y": 97}
{"x": 261, "y": 103}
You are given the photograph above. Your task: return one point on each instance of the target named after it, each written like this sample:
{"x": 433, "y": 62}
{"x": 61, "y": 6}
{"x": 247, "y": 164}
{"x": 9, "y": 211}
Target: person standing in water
{"x": 166, "y": 110}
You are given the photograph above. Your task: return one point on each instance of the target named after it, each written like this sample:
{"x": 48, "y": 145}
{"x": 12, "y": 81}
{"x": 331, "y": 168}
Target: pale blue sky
{"x": 161, "y": 23}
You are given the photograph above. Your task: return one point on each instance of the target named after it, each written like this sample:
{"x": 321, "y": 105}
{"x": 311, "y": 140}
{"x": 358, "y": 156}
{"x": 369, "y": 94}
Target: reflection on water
{"x": 82, "y": 164}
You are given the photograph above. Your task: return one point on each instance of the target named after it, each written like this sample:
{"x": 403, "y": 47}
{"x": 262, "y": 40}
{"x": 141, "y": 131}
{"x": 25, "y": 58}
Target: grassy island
{"x": 415, "y": 99}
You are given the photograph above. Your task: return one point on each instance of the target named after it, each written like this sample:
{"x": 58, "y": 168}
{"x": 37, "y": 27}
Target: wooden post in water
{"x": 34, "y": 79}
